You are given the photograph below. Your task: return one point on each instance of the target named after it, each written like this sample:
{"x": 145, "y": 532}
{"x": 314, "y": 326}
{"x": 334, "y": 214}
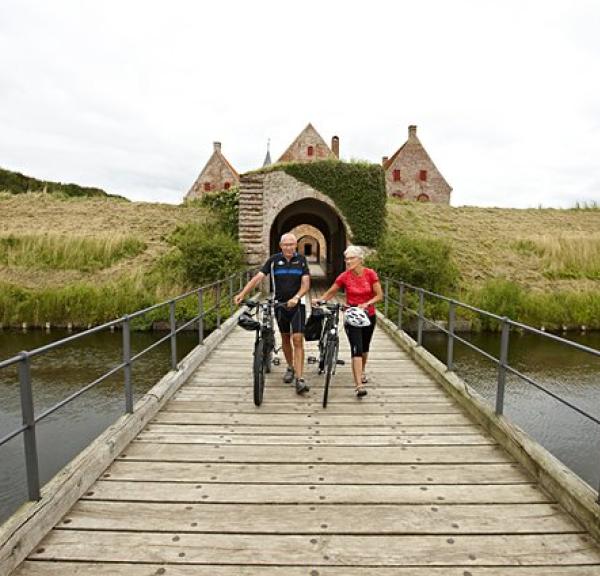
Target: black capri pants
{"x": 360, "y": 338}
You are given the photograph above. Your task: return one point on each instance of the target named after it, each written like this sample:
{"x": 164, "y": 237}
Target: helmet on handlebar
{"x": 356, "y": 317}
{"x": 247, "y": 322}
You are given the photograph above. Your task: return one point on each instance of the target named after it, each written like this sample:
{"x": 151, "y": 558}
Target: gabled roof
{"x": 309, "y": 129}
{"x": 219, "y": 156}
{"x": 391, "y": 159}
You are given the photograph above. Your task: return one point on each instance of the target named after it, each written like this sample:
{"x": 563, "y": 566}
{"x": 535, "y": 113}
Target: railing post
{"x": 400, "y": 304}
{"x": 386, "y": 296}
{"x": 502, "y": 366}
{"x": 173, "y": 335}
{"x": 241, "y": 275}
{"x": 218, "y": 304}
{"x": 451, "y": 321}
{"x": 127, "y": 368}
{"x": 200, "y": 316}
{"x": 29, "y": 441}
{"x": 420, "y": 319}
{"x": 231, "y": 294}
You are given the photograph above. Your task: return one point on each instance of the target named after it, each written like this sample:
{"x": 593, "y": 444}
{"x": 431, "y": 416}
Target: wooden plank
{"x": 314, "y": 454}
{"x": 318, "y": 493}
{"x": 310, "y": 430}
{"x": 41, "y": 568}
{"x": 321, "y": 419}
{"x": 322, "y": 519}
{"x": 368, "y": 474}
{"x": 175, "y": 548}
{"x": 225, "y": 392}
{"x": 169, "y": 437}
{"x": 301, "y": 403}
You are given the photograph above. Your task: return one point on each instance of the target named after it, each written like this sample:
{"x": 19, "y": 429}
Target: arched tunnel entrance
{"x": 311, "y": 212}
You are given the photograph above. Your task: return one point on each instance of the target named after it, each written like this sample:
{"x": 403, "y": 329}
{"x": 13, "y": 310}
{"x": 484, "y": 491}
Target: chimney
{"x": 384, "y": 160}
{"x": 335, "y": 146}
{"x": 217, "y": 146}
{"x": 412, "y": 131}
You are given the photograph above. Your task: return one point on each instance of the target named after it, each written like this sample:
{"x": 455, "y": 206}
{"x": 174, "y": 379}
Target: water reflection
{"x": 56, "y": 375}
{"x": 568, "y": 373}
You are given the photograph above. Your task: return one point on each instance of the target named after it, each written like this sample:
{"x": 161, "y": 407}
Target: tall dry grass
{"x": 566, "y": 255}
{"x": 67, "y": 252}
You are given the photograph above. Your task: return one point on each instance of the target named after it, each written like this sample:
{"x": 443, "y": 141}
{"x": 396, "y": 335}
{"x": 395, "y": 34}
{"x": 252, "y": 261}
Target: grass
{"x": 513, "y": 244}
{"x": 56, "y": 252}
{"x": 566, "y": 255}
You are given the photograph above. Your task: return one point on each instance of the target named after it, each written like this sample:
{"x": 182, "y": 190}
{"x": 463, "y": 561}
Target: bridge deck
{"x": 400, "y": 483}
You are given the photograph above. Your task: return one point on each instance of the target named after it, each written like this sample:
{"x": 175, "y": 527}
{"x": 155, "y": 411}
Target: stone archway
{"x": 322, "y": 217}
{"x": 274, "y": 203}
{"x": 311, "y": 243}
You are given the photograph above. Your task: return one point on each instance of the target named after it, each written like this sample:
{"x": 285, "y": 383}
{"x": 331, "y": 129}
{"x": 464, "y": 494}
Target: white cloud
{"x": 129, "y": 96}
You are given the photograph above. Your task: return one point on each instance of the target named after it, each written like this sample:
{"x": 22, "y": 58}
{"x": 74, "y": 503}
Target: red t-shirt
{"x": 359, "y": 289}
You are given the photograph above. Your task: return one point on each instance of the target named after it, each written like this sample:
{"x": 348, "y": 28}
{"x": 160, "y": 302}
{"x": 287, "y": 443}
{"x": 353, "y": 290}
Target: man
{"x": 291, "y": 279}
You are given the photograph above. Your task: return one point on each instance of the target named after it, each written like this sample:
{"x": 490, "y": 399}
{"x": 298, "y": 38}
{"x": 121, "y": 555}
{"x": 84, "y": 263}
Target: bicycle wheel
{"x": 259, "y": 372}
{"x": 268, "y": 350}
{"x": 330, "y": 355}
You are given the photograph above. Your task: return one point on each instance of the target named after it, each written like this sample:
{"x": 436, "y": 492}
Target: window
{"x": 423, "y": 175}
{"x": 396, "y": 175}
{"x": 310, "y": 151}
{"x": 422, "y": 198}
{"x": 207, "y": 186}
{"x": 227, "y": 186}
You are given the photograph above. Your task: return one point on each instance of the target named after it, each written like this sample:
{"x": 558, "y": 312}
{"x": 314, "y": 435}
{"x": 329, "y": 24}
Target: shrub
{"x": 225, "y": 205}
{"x": 206, "y": 254}
{"x": 423, "y": 262}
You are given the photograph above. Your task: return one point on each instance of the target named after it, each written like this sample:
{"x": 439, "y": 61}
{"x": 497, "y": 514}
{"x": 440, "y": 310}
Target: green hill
{"x": 17, "y": 183}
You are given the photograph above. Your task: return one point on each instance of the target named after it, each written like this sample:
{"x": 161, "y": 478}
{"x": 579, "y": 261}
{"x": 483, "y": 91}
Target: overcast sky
{"x": 129, "y": 95}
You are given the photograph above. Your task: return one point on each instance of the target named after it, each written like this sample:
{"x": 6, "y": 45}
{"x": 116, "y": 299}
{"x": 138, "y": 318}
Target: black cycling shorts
{"x": 291, "y": 319}
{"x": 360, "y": 338}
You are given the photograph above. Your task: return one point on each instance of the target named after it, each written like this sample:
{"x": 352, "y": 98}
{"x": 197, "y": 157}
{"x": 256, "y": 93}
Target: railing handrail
{"x": 506, "y": 324}
{"x": 23, "y": 360}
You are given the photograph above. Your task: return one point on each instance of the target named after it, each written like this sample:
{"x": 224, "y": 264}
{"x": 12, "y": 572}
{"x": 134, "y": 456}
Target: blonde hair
{"x": 354, "y": 251}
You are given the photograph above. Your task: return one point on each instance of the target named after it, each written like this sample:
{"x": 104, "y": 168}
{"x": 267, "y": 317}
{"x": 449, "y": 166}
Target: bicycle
{"x": 329, "y": 344}
{"x": 265, "y": 349}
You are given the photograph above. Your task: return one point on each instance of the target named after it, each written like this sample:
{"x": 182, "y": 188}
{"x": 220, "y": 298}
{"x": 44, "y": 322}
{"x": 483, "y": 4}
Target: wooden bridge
{"x": 404, "y": 482}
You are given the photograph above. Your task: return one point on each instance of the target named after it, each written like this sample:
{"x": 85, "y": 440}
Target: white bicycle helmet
{"x": 356, "y": 317}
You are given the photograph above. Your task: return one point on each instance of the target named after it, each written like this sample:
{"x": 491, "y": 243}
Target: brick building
{"x": 217, "y": 174}
{"x": 309, "y": 147}
{"x": 410, "y": 173}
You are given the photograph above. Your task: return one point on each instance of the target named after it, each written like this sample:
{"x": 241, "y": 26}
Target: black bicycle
{"x": 329, "y": 344}
{"x": 265, "y": 349}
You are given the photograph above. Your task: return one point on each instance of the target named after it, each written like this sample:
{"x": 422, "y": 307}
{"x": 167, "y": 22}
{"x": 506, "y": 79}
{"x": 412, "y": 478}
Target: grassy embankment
{"x": 88, "y": 260}
{"x": 538, "y": 266}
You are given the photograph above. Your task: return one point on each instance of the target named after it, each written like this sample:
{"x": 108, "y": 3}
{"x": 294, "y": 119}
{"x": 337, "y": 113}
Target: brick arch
{"x": 423, "y": 197}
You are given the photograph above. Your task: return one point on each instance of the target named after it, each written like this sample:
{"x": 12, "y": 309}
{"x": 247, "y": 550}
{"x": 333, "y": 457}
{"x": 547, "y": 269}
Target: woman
{"x": 363, "y": 290}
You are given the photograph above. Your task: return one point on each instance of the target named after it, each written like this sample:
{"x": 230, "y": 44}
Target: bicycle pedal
{"x": 341, "y": 362}
{"x": 311, "y": 360}
{"x": 276, "y": 361}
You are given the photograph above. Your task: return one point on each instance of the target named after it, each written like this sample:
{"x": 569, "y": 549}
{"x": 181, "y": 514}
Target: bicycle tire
{"x": 258, "y": 370}
{"x": 330, "y": 354}
{"x": 269, "y": 348}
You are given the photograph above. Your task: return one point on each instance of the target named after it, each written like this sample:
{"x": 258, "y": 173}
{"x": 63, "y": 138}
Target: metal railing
{"x": 505, "y": 323}
{"x": 23, "y": 361}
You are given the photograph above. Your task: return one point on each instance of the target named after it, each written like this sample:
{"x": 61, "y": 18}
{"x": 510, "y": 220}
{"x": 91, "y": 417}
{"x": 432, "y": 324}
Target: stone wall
{"x": 263, "y": 197}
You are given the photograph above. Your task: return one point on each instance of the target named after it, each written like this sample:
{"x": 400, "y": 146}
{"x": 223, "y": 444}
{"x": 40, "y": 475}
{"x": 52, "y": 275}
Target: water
{"x": 57, "y": 374}
{"x": 569, "y": 373}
